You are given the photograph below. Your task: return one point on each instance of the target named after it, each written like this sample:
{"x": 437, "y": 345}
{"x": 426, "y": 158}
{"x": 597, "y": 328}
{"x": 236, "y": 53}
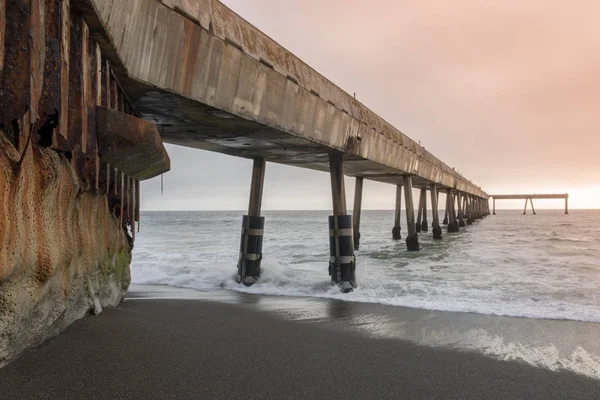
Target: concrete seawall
{"x": 63, "y": 254}
{"x": 72, "y": 153}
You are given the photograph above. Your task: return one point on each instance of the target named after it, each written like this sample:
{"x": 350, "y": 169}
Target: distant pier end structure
{"x": 529, "y": 200}
{"x": 210, "y": 80}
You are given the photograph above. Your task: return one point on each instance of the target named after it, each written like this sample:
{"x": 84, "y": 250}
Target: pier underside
{"x": 191, "y": 124}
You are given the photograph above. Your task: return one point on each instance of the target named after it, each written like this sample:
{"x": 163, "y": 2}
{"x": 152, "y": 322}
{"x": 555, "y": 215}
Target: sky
{"x": 507, "y": 92}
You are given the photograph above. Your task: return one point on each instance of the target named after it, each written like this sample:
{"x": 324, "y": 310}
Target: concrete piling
{"x": 452, "y": 226}
{"x": 252, "y": 229}
{"x": 424, "y": 224}
{"x": 419, "y": 213}
{"x": 469, "y": 207}
{"x": 437, "y": 230}
{"x": 342, "y": 264}
{"x": 461, "y": 221}
{"x": 358, "y": 187}
{"x": 412, "y": 240}
{"x": 398, "y": 210}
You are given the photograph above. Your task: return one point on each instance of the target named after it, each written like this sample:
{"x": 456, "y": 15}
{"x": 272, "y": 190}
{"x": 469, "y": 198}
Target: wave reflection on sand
{"x": 550, "y": 344}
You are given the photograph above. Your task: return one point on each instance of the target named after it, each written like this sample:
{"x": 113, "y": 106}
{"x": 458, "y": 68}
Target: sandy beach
{"x": 192, "y": 348}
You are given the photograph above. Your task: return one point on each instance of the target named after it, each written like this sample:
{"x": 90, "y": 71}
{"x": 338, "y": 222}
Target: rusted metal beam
{"x": 38, "y": 57}
{"x": 137, "y": 201}
{"x": 133, "y": 208}
{"x": 76, "y": 95}
{"x": 106, "y": 84}
{"x": 114, "y": 93}
{"x": 122, "y": 198}
{"x": 130, "y": 144}
{"x": 49, "y": 103}
{"x": 2, "y": 27}
{"x": 85, "y": 84}
{"x": 15, "y": 82}
{"x": 108, "y": 169}
{"x": 65, "y": 41}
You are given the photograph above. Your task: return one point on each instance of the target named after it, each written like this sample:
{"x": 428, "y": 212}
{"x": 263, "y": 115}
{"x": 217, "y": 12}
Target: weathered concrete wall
{"x": 203, "y": 51}
{"x": 62, "y": 252}
{"x": 65, "y": 215}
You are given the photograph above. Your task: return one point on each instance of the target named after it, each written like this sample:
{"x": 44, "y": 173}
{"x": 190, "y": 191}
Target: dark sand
{"x": 195, "y": 349}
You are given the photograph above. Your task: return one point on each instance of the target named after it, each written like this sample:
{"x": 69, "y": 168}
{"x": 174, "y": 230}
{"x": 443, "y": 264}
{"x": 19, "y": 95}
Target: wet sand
{"x": 192, "y": 348}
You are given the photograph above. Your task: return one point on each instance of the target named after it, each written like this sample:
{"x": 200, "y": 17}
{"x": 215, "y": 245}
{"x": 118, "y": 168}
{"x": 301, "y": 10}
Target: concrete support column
{"x": 252, "y": 229}
{"x": 446, "y": 210}
{"x": 452, "y": 223}
{"x": 532, "y": 208}
{"x": 437, "y": 230}
{"x": 477, "y": 203}
{"x": 419, "y": 212}
{"x": 452, "y": 220}
{"x": 525, "y": 208}
{"x": 424, "y": 223}
{"x": 358, "y": 187}
{"x": 461, "y": 216}
{"x": 469, "y": 207}
{"x": 494, "y": 206}
{"x": 342, "y": 264}
{"x": 412, "y": 240}
{"x": 396, "y": 230}
{"x": 567, "y": 204}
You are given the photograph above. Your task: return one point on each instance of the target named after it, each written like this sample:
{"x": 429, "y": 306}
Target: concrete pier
{"x": 412, "y": 240}
{"x": 358, "y": 188}
{"x": 437, "y": 230}
{"x": 342, "y": 263}
{"x": 396, "y": 235}
{"x": 529, "y": 199}
{"x": 424, "y": 223}
{"x": 252, "y": 228}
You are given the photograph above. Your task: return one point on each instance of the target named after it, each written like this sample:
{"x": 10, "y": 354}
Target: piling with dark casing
{"x": 469, "y": 207}
{"x": 424, "y": 224}
{"x": 419, "y": 213}
{"x": 437, "y": 230}
{"x": 412, "y": 240}
{"x": 252, "y": 229}
{"x": 342, "y": 264}
{"x": 461, "y": 220}
{"x": 452, "y": 222}
{"x": 447, "y": 208}
{"x": 454, "y": 213}
{"x": 398, "y": 211}
{"x": 358, "y": 187}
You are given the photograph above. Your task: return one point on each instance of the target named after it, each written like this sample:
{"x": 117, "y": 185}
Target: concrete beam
{"x": 529, "y": 196}
{"x": 130, "y": 144}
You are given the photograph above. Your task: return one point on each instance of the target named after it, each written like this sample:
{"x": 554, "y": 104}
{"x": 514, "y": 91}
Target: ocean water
{"x": 543, "y": 266}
